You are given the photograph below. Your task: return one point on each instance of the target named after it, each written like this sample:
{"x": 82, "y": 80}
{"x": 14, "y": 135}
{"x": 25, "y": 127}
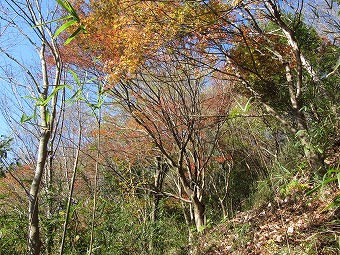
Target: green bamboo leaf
{"x": 246, "y": 108}
{"x": 39, "y": 101}
{"x": 55, "y": 91}
{"x": 73, "y": 12}
{"x": 233, "y": 113}
{"x": 30, "y": 97}
{"x": 69, "y": 8}
{"x": 333, "y": 171}
{"x": 98, "y": 104}
{"x": 64, "y": 26}
{"x": 248, "y": 105}
{"x": 75, "y": 207}
{"x": 47, "y": 116}
{"x": 75, "y": 96}
{"x": 2, "y": 196}
{"x": 65, "y": 5}
{"x": 24, "y": 118}
{"x": 53, "y": 21}
{"x": 74, "y": 19}
{"x": 324, "y": 182}
{"x": 73, "y": 36}
{"x": 75, "y": 76}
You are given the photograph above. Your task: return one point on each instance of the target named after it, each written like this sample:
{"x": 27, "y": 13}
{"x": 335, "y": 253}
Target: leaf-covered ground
{"x": 298, "y": 224}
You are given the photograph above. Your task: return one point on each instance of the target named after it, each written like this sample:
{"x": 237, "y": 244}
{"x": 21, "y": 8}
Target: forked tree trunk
{"x": 296, "y": 85}
{"x": 46, "y": 125}
{"x": 196, "y": 200}
{"x": 199, "y": 213}
{"x": 198, "y": 207}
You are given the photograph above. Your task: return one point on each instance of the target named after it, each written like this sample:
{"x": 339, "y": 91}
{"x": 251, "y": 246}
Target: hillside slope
{"x": 299, "y": 224}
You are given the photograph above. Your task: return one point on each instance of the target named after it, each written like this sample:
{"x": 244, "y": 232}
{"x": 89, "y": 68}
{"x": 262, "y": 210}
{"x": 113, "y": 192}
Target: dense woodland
{"x": 170, "y": 127}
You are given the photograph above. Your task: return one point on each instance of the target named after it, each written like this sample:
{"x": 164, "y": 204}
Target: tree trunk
{"x": 196, "y": 201}
{"x": 199, "y": 213}
{"x": 94, "y": 208}
{"x": 48, "y": 191}
{"x": 34, "y": 242}
{"x": 296, "y": 87}
{"x": 300, "y": 118}
{"x": 158, "y": 183}
{"x": 74, "y": 172}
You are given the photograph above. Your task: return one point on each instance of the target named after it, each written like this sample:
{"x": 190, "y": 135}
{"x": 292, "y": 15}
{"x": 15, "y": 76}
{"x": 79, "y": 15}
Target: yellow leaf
{"x": 236, "y": 2}
{"x": 77, "y": 237}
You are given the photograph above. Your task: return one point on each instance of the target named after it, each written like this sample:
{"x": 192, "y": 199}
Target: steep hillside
{"x": 298, "y": 224}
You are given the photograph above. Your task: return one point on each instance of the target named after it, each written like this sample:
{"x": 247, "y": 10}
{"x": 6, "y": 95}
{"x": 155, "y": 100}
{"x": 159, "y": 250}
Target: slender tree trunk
{"x": 30, "y": 14}
{"x": 296, "y": 87}
{"x": 94, "y": 208}
{"x": 199, "y": 218}
{"x": 34, "y": 242}
{"x": 75, "y": 166}
{"x": 153, "y": 220}
{"x": 49, "y": 205}
{"x": 158, "y": 183}
{"x": 46, "y": 123}
{"x": 186, "y": 218}
{"x": 302, "y": 129}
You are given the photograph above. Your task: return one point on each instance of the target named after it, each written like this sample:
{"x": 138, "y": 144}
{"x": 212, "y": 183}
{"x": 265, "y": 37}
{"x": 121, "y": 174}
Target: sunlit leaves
{"x": 72, "y": 18}
{"x": 124, "y": 34}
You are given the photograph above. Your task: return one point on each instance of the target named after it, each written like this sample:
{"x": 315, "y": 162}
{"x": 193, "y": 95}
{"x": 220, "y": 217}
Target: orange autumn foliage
{"x": 122, "y": 35}
{"x": 12, "y": 186}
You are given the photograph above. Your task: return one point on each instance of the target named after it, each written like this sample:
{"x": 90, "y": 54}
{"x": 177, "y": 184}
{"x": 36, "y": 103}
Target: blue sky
{"x": 21, "y": 52}
{"x": 3, "y": 125}
{"x": 17, "y": 45}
